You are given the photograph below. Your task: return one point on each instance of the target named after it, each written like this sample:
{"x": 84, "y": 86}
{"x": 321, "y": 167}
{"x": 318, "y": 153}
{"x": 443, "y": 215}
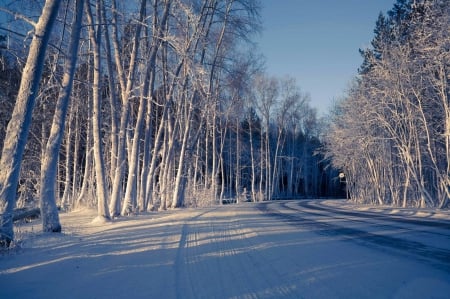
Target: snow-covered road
{"x": 422, "y": 239}
{"x": 280, "y": 249}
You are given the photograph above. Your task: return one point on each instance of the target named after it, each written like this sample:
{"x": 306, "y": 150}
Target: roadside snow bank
{"x": 343, "y": 204}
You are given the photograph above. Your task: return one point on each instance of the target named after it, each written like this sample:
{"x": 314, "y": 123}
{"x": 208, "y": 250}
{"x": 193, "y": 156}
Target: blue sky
{"x": 317, "y": 42}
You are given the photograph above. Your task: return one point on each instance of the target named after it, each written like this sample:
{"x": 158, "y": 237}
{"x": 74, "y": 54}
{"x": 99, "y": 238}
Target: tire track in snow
{"x": 440, "y": 258}
{"x": 393, "y": 224}
{"x": 180, "y": 261}
{"x": 217, "y": 257}
{"x": 201, "y": 269}
{"x": 371, "y": 215}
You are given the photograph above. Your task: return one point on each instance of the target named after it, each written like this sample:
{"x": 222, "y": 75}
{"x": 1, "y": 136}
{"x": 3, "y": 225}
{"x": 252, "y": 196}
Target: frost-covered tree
{"x": 49, "y": 210}
{"x": 95, "y": 36}
{"x": 266, "y": 95}
{"x": 390, "y": 135}
{"x": 18, "y": 127}
{"x": 164, "y": 116}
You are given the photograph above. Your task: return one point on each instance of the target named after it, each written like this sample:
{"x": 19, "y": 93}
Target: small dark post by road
{"x": 342, "y": 179}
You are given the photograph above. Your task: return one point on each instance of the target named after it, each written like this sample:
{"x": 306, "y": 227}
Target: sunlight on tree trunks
{"x": 17, "y": 131}
{"x": 49, "y": 210}
{"x": 390, "y": 135}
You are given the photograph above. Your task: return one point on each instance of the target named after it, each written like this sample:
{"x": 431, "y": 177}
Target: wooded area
{"x": 147, "y": 105}
{"x": 391, "y": 134}
{"x": 132, "y": 106}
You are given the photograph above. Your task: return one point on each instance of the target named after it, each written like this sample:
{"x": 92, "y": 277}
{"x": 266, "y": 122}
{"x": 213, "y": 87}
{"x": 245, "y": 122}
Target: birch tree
{"x": 49, "y": 210}
{"x": 267, "y": 90}
{"x": 18, "y": 127}
{"x": 99, "y": 162}
{"x": 398, "y": 109}
{"x": 127, "y": 82}
{"x": 131, "y": 188}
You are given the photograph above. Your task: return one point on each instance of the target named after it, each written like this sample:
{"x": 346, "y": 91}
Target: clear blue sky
{"x": 317, "y": 42}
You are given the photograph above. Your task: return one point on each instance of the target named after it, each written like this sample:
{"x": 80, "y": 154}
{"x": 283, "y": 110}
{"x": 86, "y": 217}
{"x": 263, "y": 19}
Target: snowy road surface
{"x": 280, "y": 249}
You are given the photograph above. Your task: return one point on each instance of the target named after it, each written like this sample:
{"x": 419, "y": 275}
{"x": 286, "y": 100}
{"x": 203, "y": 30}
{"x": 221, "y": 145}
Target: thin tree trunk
{"x": 196, "y": 168}
{"x": 275, "y": 163}
{"x": 143, "y": 191}
{"x": 262, "y": 166}
{"x": 114, "y": 102}
{"x": 88, "y": 156}
{"x": 214, "y": 155}
{"x": 166, "y": 166}
{"x": 65, "y": 201}
{"x": 18, "y": 127}
{"x": 151, "y": 182}
{"x": 178, "y": 195}
{"x": 75, "y": 155}
{"x": 100, "y": 173}
{"x": 237, "y": 185}
{"x": 126, "y": 87}
{"x": 253, "y": 162}
{"x": 130, "y": 192}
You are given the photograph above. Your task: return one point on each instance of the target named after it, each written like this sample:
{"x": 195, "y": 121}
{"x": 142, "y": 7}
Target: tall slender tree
{"x": 95, "y": 36}
{"x": 49, "y": 210}
{"x": 18, "y": 127}
{"x": 390, "y": 135}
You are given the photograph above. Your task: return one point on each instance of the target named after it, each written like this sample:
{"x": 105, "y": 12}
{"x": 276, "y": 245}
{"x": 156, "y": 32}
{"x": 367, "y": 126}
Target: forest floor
{"x": 279, "y": 249}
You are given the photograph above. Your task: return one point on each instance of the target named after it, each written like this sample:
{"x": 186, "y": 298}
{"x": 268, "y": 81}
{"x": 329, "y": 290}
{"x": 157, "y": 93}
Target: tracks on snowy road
{"x": 279, "y": 249}
{"x": 218, "y": 256}
{"x": 423, "y": 239}
{"x": 302, "y": 249}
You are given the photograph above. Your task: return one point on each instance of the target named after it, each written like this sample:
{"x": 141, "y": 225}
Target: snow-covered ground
{"x": 408, "y": 212}
{"x": 268, "y": 250}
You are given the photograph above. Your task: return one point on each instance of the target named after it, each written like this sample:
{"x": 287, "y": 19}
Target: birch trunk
{"x": 253, "y": 163}
{"x": 113, "y": 102}
{"x": 65, "y": 200}
{"x": 100, "y": 173}
{"x": 76, "y": 149}
{"x": 130, "y": 192}
{"x": 178, "y": 194}
{"x": 143, "y": 194}
{"x": 18, "y": 127}
{"x": 148, "y": 88}
{"x": 88, "y": 157}
{"x": 262, "y": 167}
{"x": 126, "y": 87}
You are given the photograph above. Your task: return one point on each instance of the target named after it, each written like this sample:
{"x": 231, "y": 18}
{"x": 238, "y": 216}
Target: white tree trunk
{"x": 130, "y": 192}
{"x": 18, "y": 127}
{"x": 88, "y": 163}
{"x": 178, "y": 193}
{"x": 100, "y": 173}
{"x": 126, "y": 87}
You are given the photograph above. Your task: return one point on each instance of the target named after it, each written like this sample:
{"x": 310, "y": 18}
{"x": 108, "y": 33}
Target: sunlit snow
{"x": 232, "y": 251}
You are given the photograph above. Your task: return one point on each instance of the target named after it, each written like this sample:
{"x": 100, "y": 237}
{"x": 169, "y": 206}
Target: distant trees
{"x": 390, "y": 135}
{"x": 153, "y": 104}
{"x": 288, "y": 160}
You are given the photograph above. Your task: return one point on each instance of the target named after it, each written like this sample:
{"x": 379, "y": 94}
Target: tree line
{"x": 391, "y": 134}
{"x": 132, "y": 106}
